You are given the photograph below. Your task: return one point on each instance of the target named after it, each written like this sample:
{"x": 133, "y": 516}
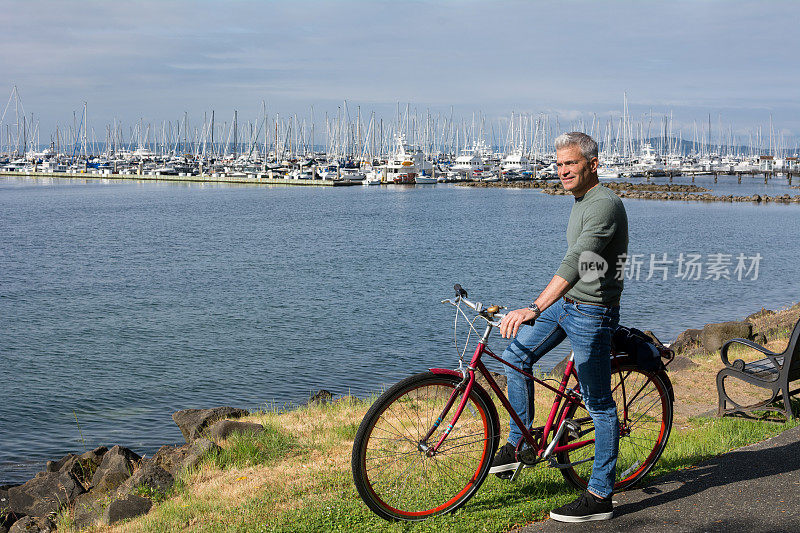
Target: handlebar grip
{"x": 460, "y": 290}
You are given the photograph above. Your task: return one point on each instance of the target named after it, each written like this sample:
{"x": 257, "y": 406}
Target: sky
{"x": 156, "y": 60}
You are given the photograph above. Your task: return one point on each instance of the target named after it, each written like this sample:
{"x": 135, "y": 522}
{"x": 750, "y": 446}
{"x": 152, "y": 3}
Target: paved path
{"x": 755, "y": 488}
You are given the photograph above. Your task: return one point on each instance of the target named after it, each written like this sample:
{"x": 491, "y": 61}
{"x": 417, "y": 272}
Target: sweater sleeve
{"x": 598, "y": 228}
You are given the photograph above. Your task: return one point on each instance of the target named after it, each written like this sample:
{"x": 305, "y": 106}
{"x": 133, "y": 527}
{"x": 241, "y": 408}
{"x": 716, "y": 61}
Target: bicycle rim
{"x": 392, "y": 473}
{"x": 643, "y": 432}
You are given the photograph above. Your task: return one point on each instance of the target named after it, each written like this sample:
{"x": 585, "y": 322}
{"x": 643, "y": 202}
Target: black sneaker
{"x": 587, "y": 507}
{"x": 505, "y": 460}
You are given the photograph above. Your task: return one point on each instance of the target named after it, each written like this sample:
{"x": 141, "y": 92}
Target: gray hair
{"x": 587, "y": 145}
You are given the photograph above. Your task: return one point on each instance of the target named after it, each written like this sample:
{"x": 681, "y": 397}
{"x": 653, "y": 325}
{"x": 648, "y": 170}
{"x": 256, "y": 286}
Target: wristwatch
{"x": 535, "y": 308}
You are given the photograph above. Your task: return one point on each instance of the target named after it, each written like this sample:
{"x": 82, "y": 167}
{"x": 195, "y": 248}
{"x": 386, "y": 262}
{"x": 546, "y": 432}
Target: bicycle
{"x": 407, "y": 465}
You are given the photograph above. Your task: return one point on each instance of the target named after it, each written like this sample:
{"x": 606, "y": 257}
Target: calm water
{"x": 122, "y": 302}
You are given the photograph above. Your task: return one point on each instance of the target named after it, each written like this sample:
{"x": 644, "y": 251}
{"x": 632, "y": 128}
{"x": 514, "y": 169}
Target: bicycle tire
{"x": 643, "y": 436}
{"x": 394, "y": 477}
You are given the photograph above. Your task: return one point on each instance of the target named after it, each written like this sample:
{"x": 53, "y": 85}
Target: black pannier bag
{"x": 639, "y": 346}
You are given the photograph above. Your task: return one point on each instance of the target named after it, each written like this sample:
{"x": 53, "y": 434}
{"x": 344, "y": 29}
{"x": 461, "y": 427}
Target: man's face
{"x": 576, "y": 173}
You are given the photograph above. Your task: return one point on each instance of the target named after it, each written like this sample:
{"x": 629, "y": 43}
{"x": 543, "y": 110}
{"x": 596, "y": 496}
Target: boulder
{"x": 715, "y": 335}
{"x": 686, "y": 339}
{"x": 192, "y": 422}
{"x": 7, "y": 518}
{"x": 56, "y": 466}
{"x": 653, "y": 337}
{"x": 681, "y": 363}
{"x": 81, "y": 466}
{"x": 149, "y": 476}
{"x": 30, "y": 524}
{"x": 221, "y": 429}
{"x": 170, "y": 458}
{"x": 758, "y": 314}
{"x": 87, "y": 510}
{"x": 199, "y": 449}
{"x": 501, "y": 380}
{"x": 4, "y": 498}
{"x": 321, "y": 397}
{"x": 130, "y": 506}
{"x": 117, "y": 466}
{"x": 46, "y": 493}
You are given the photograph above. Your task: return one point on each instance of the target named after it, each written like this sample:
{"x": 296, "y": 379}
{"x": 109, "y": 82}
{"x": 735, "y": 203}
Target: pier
{"x": 250, "y": 179}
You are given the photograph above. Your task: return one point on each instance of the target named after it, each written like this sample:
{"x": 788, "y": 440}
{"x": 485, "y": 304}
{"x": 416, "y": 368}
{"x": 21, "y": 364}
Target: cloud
{"x": 159, "y": 59}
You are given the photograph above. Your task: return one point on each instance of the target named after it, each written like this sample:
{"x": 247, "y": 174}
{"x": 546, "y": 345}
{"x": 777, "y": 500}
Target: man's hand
{"x": 510, "y": 324}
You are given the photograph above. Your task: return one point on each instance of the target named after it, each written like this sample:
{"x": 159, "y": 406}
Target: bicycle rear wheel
{"x": 391, "y": 470}
{"x": 644, "y": 429}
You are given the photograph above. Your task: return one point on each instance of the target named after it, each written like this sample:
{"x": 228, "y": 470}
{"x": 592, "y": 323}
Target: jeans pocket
{"x": 591, "y": 311}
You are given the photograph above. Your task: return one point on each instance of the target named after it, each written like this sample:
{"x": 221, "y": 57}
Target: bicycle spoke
{"x": 395, "y": 477}
{"x": 644, "y": 415}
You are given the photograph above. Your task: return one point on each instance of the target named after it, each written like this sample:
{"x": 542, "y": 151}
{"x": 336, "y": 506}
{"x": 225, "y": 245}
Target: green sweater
{"x": 598, "y": 224}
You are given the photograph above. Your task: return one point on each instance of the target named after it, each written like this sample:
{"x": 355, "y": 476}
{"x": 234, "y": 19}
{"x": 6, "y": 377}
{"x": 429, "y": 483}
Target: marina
{"x": 413, "y": 147}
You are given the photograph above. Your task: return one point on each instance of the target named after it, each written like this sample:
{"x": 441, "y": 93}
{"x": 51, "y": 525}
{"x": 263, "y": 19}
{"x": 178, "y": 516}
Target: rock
{"x": 149, "y": 476}
{"x": 56, "y": 466}
{"x": 170, "y": 458}
{"x": 7, "y": 518}
{"x": 81, "y": 466}
{"x": 96, "y": 455}
{"x": 4, "y": 498}
{"x": 686, "y": 339}
{"x": 117, "y": 466}
{"x": 681, "y": 363}
{"x": 197, "y": 451}
{"x": 221, "y": 429}
{"x": 501, "y": 379}
{"x": 130, "y": 506}
{"x": 321, "y": 397}
{"x": 30, "y": 524}
{"x": 24, "y": 525}
{"x": 758, "y": 314}
{"x": 192, "y": 422}
{"x": 87, "y": 510}
{"x": 653, "y": 337}
{"x": 715, "y": 335}
{"x": 46, "y": 493}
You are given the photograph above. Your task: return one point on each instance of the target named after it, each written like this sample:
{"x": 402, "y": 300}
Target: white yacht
{"x": 406, "y": 163}
{"x": 515, "y": 160}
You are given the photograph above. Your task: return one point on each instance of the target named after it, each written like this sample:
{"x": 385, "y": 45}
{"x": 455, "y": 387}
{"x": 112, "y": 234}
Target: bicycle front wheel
{"x": 644, "y": 410}
{"x": 395, "y": 476}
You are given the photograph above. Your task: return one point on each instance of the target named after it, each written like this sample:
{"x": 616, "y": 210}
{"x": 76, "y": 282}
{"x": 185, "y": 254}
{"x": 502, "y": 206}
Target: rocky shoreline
{"x": 104, "y": 486}
{"x": 645, "y": 191}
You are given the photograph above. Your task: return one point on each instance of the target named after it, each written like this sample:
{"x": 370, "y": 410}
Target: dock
{"x": 251, "y": 179}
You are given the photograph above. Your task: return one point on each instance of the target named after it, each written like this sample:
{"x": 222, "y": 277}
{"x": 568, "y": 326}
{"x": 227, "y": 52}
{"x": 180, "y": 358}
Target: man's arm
{"x": 557, "y": 288}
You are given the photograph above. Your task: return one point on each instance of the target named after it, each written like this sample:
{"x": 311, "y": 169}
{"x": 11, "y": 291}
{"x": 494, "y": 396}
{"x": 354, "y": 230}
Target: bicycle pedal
{"x": 573, "y": 429}
{"x": 507, "y": 475}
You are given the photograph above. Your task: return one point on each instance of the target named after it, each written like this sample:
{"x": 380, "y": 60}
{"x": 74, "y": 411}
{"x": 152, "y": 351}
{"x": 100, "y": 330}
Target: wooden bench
{"x": 775, "y": 372}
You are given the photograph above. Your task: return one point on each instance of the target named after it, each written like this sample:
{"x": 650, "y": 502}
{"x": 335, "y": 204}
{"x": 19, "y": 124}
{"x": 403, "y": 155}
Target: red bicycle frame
{"x": 558, "y": 411}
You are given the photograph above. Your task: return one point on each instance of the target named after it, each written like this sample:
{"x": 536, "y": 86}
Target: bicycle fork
{"x": 466, "y": 386}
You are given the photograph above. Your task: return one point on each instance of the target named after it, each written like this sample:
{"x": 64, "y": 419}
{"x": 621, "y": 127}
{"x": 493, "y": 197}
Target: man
{"x": 584, "y": 307}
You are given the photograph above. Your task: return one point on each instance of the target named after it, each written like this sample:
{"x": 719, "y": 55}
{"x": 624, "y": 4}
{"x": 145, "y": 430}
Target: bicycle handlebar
{"x": 490, "y": 314}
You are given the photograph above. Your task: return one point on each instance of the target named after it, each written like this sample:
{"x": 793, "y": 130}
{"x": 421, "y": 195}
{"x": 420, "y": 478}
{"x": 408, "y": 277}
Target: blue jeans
{"x": 589, "y": 329}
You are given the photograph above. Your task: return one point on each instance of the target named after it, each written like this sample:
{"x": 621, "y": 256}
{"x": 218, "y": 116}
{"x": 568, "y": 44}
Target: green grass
{"x": 331, "y": 503}
{"x": 247, "y": 449}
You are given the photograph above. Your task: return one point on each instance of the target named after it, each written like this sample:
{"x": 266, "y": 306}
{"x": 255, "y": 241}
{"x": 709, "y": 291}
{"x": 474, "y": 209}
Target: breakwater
{"x": 646, "y": 191}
